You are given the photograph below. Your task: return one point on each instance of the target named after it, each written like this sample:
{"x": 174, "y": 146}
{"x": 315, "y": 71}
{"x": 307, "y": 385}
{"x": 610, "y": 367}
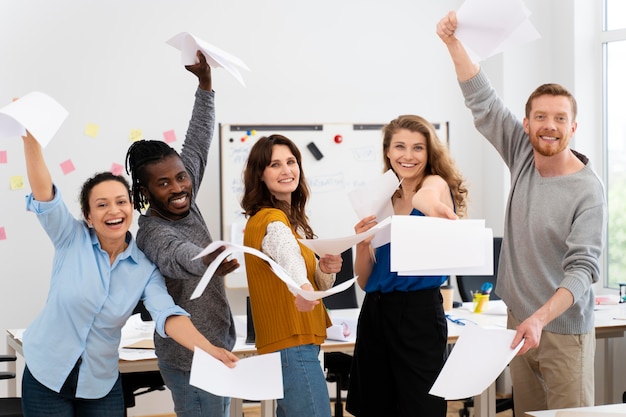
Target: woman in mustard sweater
{"x": 274, "y": 200}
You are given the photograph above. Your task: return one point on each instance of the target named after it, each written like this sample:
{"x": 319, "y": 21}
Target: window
{"x": 614, "y": 99}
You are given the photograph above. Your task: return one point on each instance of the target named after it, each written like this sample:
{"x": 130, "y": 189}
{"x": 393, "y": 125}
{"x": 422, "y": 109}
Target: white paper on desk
{"x": 278, "y": 270}
{"x": 188, "y": 44}
{"x": 36, "y": 112}
{"x": 426, "y": 245}
{"x": 254, "y": 378}
{"x": 133, "y": 331}
{"x": 375, "y": 199}
{"x": 336, "y": 246}
{"x": 486, "y": 33}
{"x": 480, "y": 353}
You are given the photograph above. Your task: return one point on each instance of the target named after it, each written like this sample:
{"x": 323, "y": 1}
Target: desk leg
{"x": 268, "y": 408}
{"x": 485, "y": 403}
{"x": 11, "y": 367}
{"x": 608, "y": 371}
{"x": 236, "y": 407}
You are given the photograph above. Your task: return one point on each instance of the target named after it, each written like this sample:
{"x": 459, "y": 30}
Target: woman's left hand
{"x": 304, "y": 305}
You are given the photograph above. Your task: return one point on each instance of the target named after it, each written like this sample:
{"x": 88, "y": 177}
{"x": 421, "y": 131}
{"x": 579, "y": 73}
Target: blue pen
{"x": 455, "y": 321}
{"x": 486, "y": 288}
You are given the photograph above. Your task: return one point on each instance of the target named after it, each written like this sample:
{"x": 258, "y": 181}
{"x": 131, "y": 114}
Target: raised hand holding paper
{"x": 36, "y": 112}
{"x": 188, "y": 44}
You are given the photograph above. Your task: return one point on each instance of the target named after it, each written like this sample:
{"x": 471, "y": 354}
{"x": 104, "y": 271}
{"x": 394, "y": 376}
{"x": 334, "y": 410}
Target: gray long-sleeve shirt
{"x": 171, "y": 245}
{"x": 554, "y": 226}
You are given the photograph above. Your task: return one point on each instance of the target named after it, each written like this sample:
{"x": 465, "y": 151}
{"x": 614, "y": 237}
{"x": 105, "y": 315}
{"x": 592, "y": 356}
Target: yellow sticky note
{"x": 135, "y": 135}
{"x": 17, "y": 182}
{"x": 92, "y": 130}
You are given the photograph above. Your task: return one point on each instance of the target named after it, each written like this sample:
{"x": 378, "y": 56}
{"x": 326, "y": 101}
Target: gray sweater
{"x": 554, "y": 227}
{"x": 171, "y": 245}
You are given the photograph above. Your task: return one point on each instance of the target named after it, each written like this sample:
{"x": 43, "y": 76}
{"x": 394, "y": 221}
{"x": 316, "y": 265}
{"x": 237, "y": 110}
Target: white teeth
{"x": 179, "y": 200}
{"x": 113, "y": 222}
{"x": 408, "y": 165}
{"x": 287, "y": 180}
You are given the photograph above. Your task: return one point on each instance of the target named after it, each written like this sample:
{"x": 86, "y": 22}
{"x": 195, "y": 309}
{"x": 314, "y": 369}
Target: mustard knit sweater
{"x": 277, "y": 322}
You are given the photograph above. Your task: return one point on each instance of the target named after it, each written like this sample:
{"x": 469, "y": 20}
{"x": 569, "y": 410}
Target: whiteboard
{"x": 351, "y": 156}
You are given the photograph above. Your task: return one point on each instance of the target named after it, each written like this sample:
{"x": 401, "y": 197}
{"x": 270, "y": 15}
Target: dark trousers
{"x": 400, "y": 350}
{"x": 40, "y": 401}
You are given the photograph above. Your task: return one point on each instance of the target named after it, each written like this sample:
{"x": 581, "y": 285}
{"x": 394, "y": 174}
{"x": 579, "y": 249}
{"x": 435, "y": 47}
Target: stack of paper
{"x": 435, "y": 246}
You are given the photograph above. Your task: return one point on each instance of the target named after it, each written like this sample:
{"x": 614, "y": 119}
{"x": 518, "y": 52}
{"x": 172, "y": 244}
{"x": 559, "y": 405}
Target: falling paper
{"x": 36, "y": 112}
{"x": 278, "y": 270}
{"x": 481, "y": 353}
{"x": 188, "y": 44}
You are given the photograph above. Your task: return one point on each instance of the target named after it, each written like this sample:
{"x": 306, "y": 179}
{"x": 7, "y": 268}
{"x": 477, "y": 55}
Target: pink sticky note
{"x": 67, "y": 166}
{"x": 169, "y": 136}
{"x": 3, "y": 234}
{"x": 116, "y": 169}
{"x": 3, "y": 157}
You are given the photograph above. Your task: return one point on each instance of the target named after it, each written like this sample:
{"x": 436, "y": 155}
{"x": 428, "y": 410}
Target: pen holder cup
{"x": 481, "y": 302}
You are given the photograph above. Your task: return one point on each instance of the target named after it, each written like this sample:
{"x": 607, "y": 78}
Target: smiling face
{"x": 110, "y": 211}
{"x": 168, "y": 187}
{"x": 550, "y": 124}
{"x": 282, "y": 175}
{"x": 408, "y": 154}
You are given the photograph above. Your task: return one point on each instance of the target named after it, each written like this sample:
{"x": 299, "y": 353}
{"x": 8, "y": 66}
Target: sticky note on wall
{"x": 17, "y": 182}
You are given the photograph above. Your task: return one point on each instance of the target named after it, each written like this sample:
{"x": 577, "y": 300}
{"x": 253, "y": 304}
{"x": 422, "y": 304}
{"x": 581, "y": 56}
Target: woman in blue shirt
{"x": 98, "y": 277}
{"x": 402, "y": 331}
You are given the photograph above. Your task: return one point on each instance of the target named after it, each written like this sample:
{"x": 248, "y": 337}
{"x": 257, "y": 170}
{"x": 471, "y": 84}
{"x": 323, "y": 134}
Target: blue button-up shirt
{"x": 88, "y": 303}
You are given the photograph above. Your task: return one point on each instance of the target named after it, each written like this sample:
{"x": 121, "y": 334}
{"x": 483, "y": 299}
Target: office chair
{"x": 467, "y": 286}
{"x": 338, "y": 364}
{"x": 135, "y": 381}
{"x": 9, "y": 406}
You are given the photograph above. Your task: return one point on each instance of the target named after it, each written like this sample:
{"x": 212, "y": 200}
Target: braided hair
{"x": 141, "y": 154}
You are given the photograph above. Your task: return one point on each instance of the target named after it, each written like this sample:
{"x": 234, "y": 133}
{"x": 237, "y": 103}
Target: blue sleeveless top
{"x": 383, "y": 280}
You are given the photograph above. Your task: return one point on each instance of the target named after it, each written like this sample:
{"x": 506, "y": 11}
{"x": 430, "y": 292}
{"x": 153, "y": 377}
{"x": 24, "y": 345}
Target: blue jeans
{"x": 40, "y": 401}
{"x": 304, "y": 384}
{"x": 190, "y": 401}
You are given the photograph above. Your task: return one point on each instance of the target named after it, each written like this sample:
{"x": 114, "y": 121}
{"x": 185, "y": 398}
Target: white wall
{"x": 326, "y": 61}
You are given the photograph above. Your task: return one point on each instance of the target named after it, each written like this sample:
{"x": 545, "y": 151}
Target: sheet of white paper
{"x": 375, "y": 199}
{"x": 484, "y": 34}
{"x": 254, "y": 378}
{"x": 372, "y": 198}
{"x": 36, "y": 112}
{"x": 231, "y": 248}
{"x": 336, "y": 246}
{"x": 489, "y": 349}
{"x": 484, "y": 268}
{"x": 189, "y": 44}
{"x": 429, "y": 243}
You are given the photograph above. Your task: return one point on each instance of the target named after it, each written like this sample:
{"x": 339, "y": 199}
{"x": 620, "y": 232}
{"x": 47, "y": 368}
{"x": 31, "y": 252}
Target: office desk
{"x": 484, "y": 405}
{"x": 599, "y": 410}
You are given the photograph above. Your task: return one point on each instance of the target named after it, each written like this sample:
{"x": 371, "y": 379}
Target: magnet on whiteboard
{"x": 315, "y": 151}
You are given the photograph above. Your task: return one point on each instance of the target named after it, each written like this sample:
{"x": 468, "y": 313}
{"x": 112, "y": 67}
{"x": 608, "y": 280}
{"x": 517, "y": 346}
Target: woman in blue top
{"x": 98, "y": 277}
{"x": 402, "y": 331}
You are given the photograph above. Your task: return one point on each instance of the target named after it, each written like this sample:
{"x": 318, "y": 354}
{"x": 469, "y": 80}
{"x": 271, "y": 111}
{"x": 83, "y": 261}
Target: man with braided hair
{"x": 172, "y": 232}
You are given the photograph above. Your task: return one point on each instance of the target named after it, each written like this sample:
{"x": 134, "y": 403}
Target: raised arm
{"x": 463, "y": 65}
{"x": 39, "y": 176}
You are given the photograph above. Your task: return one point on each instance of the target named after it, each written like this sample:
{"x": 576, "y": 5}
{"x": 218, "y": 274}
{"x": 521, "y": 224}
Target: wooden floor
{"x": 252, "y": 410}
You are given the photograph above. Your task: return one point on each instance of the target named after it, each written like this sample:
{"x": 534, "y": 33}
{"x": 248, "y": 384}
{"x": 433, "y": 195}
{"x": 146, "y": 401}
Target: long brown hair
{"x": 439, "y": 160}
{"x": 256, "y": 195}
